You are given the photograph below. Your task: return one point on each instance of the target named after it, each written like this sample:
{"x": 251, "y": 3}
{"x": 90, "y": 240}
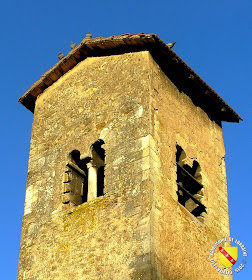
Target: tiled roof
{"x": 173, "y": 66}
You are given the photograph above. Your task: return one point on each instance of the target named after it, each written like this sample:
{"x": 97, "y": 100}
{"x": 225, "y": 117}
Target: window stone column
{"x": 92, "y": 180}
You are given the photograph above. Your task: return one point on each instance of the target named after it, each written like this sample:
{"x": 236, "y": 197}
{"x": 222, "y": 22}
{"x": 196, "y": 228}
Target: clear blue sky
{"x": 213, "y": 37}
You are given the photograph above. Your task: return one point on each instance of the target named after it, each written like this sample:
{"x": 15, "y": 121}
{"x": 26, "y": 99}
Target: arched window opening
{"x": 190, "y": 189}
{"x": 83, "y": 178}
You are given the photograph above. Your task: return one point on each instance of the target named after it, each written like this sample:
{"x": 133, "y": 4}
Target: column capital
{"x": 91, "y": 164}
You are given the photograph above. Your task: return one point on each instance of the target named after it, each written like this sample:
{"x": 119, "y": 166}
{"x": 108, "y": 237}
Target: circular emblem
{"x": 224, "y": 258}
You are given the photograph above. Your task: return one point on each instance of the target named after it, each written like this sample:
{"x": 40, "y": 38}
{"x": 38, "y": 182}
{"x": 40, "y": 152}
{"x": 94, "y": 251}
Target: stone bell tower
{"x": 126, "y": 176}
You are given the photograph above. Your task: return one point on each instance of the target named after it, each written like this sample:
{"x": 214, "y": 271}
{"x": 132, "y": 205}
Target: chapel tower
{"x": 126, "y": 176}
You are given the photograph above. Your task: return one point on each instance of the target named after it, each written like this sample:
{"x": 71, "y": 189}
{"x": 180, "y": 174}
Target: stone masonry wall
{"x": 109, "y": 237}
{"x": 137, "y": 230}
{"x": 180, "y": 242}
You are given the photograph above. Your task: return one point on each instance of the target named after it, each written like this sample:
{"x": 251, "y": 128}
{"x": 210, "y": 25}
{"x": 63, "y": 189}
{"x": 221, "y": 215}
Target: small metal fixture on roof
{"x": 72, "y": 45}
{"x": 60, "y": 55}
{"x": 171, "y": 45}
{"x": 88, "y": 35}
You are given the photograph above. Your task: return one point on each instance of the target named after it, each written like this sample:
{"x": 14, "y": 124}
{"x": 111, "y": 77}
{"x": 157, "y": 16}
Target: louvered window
{"x": 190, "y": 190}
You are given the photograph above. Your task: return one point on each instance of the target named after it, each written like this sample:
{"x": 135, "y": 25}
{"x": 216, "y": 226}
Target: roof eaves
{"x": 122, "y": 43}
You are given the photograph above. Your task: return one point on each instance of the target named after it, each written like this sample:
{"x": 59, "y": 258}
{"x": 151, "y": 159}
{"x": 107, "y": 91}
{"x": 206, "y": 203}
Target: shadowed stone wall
{"x": 180, "y": 242}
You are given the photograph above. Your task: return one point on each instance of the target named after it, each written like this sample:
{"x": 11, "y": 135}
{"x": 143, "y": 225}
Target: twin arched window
{"x": 83, "y": 178}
